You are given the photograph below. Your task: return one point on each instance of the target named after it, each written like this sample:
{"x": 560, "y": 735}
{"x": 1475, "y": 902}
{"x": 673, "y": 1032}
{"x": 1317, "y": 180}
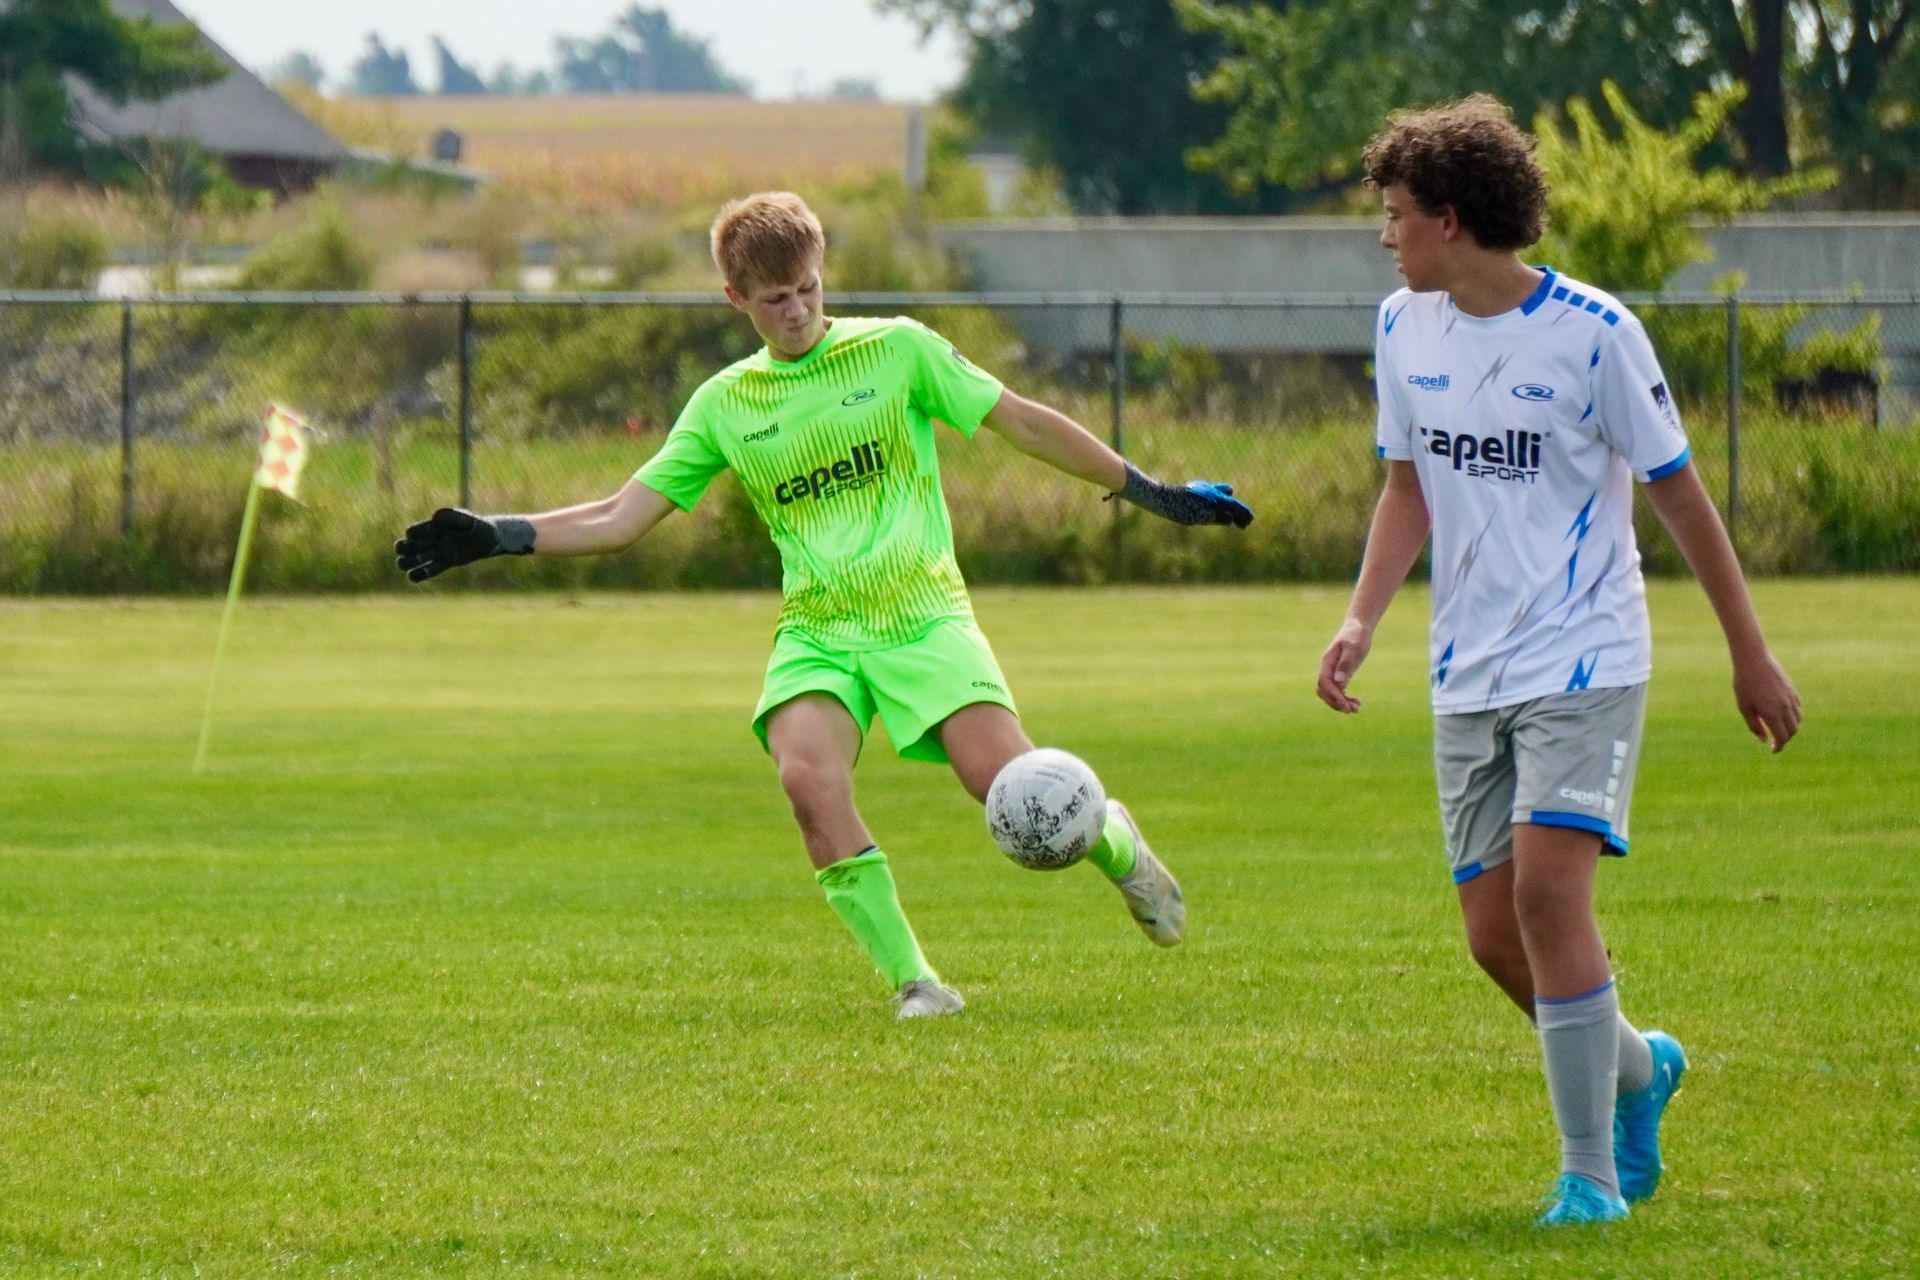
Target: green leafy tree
{"x": 1627, "y": 204}
{"x": 1828, "y": 81}
{"x": 1626, "y": 213}
{"x": 1100, "y": 92}
{"x": 1860, "y": 84}
{"x": 1310, "y": 81}
{"x": 122, "y": 58}
{"x": 642, "y": 54}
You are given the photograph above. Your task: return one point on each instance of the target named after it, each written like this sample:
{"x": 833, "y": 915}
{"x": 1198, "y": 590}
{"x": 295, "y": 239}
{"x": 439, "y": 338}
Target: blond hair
{"x": 770, "y": 237}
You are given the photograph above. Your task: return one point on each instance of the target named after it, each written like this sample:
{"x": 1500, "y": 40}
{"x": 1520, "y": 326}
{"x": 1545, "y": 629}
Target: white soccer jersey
{"x": 1527, "y": 430}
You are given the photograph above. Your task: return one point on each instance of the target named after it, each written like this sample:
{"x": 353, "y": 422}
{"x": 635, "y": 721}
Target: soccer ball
{"x": 1045, "y": 809}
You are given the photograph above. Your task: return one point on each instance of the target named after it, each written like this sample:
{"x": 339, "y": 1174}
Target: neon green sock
{"x": 1113, "y": 852}
{"x": 860, "y": 891}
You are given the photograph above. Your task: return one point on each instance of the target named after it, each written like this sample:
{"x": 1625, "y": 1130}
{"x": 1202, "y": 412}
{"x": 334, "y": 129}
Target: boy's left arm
{"x": 1761, "y": 688}
{"x": 1043, "y": 432}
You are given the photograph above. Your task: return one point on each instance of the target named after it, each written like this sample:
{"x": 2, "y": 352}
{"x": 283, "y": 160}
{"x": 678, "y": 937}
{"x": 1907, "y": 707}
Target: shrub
{"x": 52, "y": 252}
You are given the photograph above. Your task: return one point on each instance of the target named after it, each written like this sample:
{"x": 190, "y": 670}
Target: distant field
{"x": 485, "y": 947}
{"x": 660, "y": 150}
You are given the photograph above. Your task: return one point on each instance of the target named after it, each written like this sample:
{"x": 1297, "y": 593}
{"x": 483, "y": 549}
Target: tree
{"x": 1309, "y": 79}
{"x": 1100, "y": 90}
{"x": 1625, "y": 209}
{"x": 1749, "y": 41}
{"x": 1310, "y": 82}
{"x": 1626, "y": 212}
{"x": 298, "y": 67}
{"x": 1861, "y": 81}
{"x": 43, "y": 40}
{"x": 642, "y": 54}
{"x": 456, "y": 80}
{"x": 381, "y": 72}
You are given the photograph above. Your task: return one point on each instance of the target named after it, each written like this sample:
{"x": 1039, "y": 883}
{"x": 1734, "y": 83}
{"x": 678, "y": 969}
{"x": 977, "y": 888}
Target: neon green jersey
{"x": 835, "y": 450}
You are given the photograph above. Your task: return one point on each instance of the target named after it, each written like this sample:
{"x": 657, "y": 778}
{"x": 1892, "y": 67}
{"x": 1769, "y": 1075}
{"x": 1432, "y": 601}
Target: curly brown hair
{"x": 1470, "y": 155}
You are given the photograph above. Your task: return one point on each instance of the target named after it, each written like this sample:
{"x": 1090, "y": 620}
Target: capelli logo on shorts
{"x": 988, "y": 684}
{"x": 1589, "y": 798}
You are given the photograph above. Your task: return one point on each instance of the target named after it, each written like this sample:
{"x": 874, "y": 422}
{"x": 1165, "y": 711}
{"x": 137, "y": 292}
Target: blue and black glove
{"x": 452, "y": 537}
{"x": 1196, "y": 502}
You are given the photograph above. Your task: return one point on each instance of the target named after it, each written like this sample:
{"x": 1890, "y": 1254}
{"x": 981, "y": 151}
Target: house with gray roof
{"x": 260, "y": 137}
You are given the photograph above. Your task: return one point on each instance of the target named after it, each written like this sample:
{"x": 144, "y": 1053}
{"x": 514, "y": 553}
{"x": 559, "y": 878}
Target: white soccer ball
{"x": 1046, "y": 809}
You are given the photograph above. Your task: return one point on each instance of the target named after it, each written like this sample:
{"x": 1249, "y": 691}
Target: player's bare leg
{"x": 981, "y": 738}
{"x": 814, "y": 743}
{"x": 1493, "y": 933}
{"x": 1577, "y": 1009}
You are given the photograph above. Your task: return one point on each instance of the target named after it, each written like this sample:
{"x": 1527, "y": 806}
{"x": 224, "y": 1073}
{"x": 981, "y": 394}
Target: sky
{"x": 782, "y": 47}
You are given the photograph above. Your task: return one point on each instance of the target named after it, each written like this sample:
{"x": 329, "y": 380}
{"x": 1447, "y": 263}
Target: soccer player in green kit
{"x": 829, "y": 430}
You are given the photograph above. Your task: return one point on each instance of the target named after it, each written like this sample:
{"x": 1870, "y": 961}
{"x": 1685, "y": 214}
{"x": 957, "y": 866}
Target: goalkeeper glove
{"x": 1196, "y": 502}
{"x": 453, "y": 537}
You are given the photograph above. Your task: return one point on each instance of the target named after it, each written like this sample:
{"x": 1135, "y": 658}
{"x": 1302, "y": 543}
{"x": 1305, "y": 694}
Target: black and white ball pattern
{"x": 1046, "y": 808}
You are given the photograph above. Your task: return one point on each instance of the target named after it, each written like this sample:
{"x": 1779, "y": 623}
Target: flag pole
{"x": 226, "y": 619}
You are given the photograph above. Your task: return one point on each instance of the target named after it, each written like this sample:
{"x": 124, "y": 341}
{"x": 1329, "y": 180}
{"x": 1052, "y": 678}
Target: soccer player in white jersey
{"x": 1517, "y": 407}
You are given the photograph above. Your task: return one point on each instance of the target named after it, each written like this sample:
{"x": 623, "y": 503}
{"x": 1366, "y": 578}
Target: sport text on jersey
{"x": 863, "y": 467}
{"x": 1514, "y": 456}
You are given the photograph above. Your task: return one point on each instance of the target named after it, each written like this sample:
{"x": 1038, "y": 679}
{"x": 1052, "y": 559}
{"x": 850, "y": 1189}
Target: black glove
{"x": 455, "y": 537}
{"x": 1196, "y": 502}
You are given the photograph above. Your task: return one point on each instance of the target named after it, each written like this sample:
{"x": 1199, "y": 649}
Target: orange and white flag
{"x": 283, "y": 451}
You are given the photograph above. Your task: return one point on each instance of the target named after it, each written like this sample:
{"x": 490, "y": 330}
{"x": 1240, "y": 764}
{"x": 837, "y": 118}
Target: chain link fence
{"x": 127, "y": 429}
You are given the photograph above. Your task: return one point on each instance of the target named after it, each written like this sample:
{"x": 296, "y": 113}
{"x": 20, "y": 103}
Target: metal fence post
{"x": 126, "y": 419}
{"x": 1733, "y": 419}
{"x": 466, "y": 400}
{"x": 1117, "y": 356}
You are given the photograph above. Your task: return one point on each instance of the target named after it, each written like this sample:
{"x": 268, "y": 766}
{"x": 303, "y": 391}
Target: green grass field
{"x": 484, "y": 947}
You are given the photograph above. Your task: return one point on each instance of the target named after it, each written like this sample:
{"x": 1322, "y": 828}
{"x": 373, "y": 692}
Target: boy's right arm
{"x": 453, "y": 537}
{"x": 1401, "y": 523}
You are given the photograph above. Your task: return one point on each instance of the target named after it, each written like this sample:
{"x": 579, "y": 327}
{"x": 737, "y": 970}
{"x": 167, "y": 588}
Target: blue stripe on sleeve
{"x": 1668, "y": 468}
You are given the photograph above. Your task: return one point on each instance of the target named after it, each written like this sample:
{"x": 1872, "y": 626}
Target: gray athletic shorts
{"x": 1565, "y": 760}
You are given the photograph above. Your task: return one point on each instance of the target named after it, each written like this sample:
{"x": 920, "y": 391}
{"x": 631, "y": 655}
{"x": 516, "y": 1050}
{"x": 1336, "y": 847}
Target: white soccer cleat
{"x": 925, "y": 998}
{"x": 1153, "y": 895}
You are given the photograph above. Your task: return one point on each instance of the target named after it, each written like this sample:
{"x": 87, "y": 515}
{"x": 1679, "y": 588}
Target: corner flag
{"x": 283, "y": 451}
{"x": 277, "y": 466}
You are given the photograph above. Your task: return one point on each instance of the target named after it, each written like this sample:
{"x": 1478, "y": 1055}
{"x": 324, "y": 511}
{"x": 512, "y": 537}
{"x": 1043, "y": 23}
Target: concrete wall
{"x": 1340, "y": 260}
{"x": 1778, "y": 253}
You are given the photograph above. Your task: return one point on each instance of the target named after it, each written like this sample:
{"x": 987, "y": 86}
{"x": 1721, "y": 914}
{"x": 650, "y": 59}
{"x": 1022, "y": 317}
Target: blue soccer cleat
{"x": 1575, "y": 1200}
{"x": 1636, "y": 1119}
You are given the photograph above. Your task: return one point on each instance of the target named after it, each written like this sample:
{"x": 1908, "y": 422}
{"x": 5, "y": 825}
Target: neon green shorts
{"x": 913, "y": 686}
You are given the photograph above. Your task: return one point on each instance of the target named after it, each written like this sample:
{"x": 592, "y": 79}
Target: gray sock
{"x": 1636, "y": 1060}
{"x": 1580, "y": 1039}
